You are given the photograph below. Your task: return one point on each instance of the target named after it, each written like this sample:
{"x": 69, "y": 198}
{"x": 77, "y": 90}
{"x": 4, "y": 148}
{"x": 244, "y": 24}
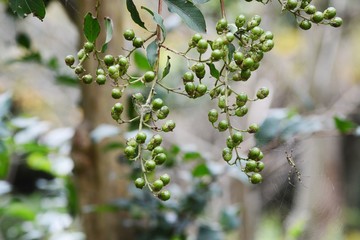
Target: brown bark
{"x": 99, "y": 178}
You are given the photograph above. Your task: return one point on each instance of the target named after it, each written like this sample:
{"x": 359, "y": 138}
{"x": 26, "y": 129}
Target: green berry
{"x": 260, "y": 166}
{"x": 253, "y": 128}
{"x": 222, "y": 23}
{"x": 139, "y": 183}
{"x": 240, "y": 21}
{"x": 101, "y": 79}
{"x": 160, "y": 158}
{"x": 254, "y": 153}
{"x": 201, "y": 89}
{"x": 69, "y": 60}
{"x": 109, "y": 60}
{"x": 237, "y": 138}
{"x": 238, "y": 58}
{"x": 164, "y": 195}
{"x": 188, "y": 77}
{"x": 330, "y": 13}
{"x": 88, "y": 47}
{"x": 157, "y": 139}
{"x": 250, "y": 166}
{"x": 139, "y": 97}
{"x": 190, "y": 88}
{"x": 241, "y": 111}
{"x": 291, "y": 4}
{"x": 138, "y": 42}
{"x": 140, "y": 137}
{"x": 150, "y": 165}
{"x": 310, "y": 9}
{"x": 202, "y": 46}
{"x": 229, "y": 142}
{"x": 230, "y": 37}
{"x": 81, "y": 54}
{"x": 247, "y": 63}
{"x": 118, "y": 108}
{"x": 227, "y": 154}
{"x": 157, "y": 185}
{"x": 222, "y": 102}
{"x": 267, "y": 45}
{"x": 79, "y": 70}
{"x": 223, "y": 125}
{"x": 213, "y": 115}
{"x": 123, "y": 61}
{"x": 165, "y": 178}
{"x": 216, "y": 55}
{"x": 158, "y": 150}
{"x": 157, "y": 103}
{"x": 129, "y": 34}
{"x": 336, "y": 22}
{"x": 196, "y": 38}
{"x": 256, "y": 178}
{"x": 305, "y": 24}
{"x": 317, "y": 17}
{"x": 257, "y": 19}
{"x": 245, "y": 74}
{"x": 116, "y": 93}
{"x": 87, "y": 79}
{"x": 169, "y": 126}
{"x": 241, "y": 99}
{"x": 100, "y": 71}
{"x": 149, "y": 76}
{"x": 262, "y": 93}
{"x": 130, "y": 152}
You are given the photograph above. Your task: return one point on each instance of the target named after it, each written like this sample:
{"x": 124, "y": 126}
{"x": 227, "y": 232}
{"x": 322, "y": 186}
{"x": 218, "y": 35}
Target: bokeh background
{"x": 52, "y": 127}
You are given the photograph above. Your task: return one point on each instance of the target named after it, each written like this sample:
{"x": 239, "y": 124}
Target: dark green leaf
{"x": 134, "y": 13}
{"x": 229, "y": 219}
{"x": 213, "y": 71}
{"x": 67, "y": 80}
{"x": 113, "y": 145}
{"x": 151, "y": 53}
{"x": 189, "y": 13}
{"x": 158, "y": 19}
{"x": 53, "y": 63}
{"x": 91, "y": 28}
{"x": 136, "y": 84}
{"x": 191, "y": 156}
{"x": 201, "y": 170}
{"x": 175, "y": 149}
{"x": 344, "y": 125}
{"x": 167, "y": 68}
{"x": 109, "y": 33}
{"x": 200, "y": 1}
{"x": 231, "y": 48}
{"x": 24, "y": 7}
{"x": 31, "y": 57}
{"x": 22, "y": 39}
{"x": 141, "y": 61}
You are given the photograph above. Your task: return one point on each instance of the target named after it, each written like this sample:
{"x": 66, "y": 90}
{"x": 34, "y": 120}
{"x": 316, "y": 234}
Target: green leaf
{"x": 232, "y": 49}
{"x": 201, "y": 170}
{"x": 134, "y": 13}
{"x": 109, "y": 33}
{"x": 167, "y": 68}
{"x": 229, "y": 219}
{"x": 141, "y": 61}
{"x": 21, "y": 211}
{"x": 175, "y": 149}
{"x": 213, "y": 71}
{"x": 189, "y": 13}
{"x": 151, "y": 53}
{"x": 200, "y": 1}
{"x": 113, "y": 145}
{"x": 158, "y": 19}
{"x": 91, "y": 28}
{"x": 4, "y": 160}
{"x": 191, "y": 156}
{"x": 67, "y": 80}
{"x": 344, "y": 125}
{"x": 23, "y": 39}
{"x": 24, "y": 7}
{"x": 38, "y": 161}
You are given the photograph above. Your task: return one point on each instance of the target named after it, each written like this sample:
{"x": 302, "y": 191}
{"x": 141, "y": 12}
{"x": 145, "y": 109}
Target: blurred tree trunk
{"x": 99, "y": 178}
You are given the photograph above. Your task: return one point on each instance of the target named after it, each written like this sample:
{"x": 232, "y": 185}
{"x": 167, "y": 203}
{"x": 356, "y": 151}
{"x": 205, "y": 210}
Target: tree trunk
{"x": 99, "y": 178}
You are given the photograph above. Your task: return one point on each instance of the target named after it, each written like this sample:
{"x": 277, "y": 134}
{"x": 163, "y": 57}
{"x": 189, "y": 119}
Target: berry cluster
{"x": 307, "y": 14}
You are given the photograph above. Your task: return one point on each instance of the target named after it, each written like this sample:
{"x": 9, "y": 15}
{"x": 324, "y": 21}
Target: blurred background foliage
{"x": 313, "y": 110}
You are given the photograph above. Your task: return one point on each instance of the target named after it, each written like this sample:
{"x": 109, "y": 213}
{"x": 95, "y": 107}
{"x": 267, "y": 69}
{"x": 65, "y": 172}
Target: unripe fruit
{"x": 138, "y": 42}
{"x": 81, "y": 54}
{"x": 188, "y": 77}
{"x": 256, "y": 178}
{"x": 245, "y": 74}
{"x": 241, "y": 111}
{"x": 257, "y": 19}
{"x": 254, "y": 153}
{"x": 222, "y": 23}
{"x": 237, "y": 137}
{"x": 201, "y": 90}
{"x": 87, "y": 79}
{"x": 216, "y": 55}
{"x": 149, "y": 76}
{"x": 317, "y": 17}
{"x": 230, "y": 37}
{"x": 101, "y": 79}
{"x": 129, "y": 34}
{"x": 140, "y": 137}
{"x": 267, "y": 45}
{"x": 139, "y": 183}
{"x": 227, "y": 154}
{"x": 150, "y": 165}
{"x": 240, "y": 21}
{"x": 109, "y": 60}
{"x": 336, "y": 22}
{"x": 229, "y": 142}
{"x": 88, "y": 47}
{"x": 69, "y": 60}
{"x": 250, "y": 166}
{"x": 130, "y": 152}
{"x": 253, "y": 128}
{"x": 262, "y": 93}
{"x": 164, "y": 195}
{"x": 168, "y": 126}
{"x": 157, "y": 139}
{"x": 241, "y": 99}
{"x": 139, "y": 97}
{"x": 202, "y": 46}
{"x": 291, "y": 4}
{"x": 247, "y": 63}
{"x": 165, "y": 178}
{"x": 238, "y": 58}
{"x": 310, "y": 9}
{"x": 79, "y": 70}
{"x": 305, "y": 24}
{"x": 222, "y": 102}
{"x": 131, "y": 142}
{"x": 330, "y": 13}
{"x": 260, "y": 166}
{"x": 160, "y": 158}
{"x": 213, "y": 115}
{"x": 196, "y": 38}
{"x": 223, "y": 125}
{"x": 157, "y": 185}
{"x": 190, "y": 88}
{"x": 123, "y": 61}
{"x": 157, "y": 103}
{"x": 116, "y": 93}
{"x": 118, "y": 108}
{"x": 158, "y": 150}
